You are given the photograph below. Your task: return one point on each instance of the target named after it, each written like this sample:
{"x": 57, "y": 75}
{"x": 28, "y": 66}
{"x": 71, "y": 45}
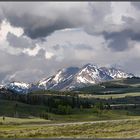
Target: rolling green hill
{"x": 44, "y": 114}
{"x": 113, "y": 87}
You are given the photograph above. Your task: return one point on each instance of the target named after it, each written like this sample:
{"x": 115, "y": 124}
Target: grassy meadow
{"x": 117, "y": 123}
{"x": 108, "y": 110}
{"x": 131, "y": 94}
{"x": 26, "y": 113}
{"x": 116, "y": 129}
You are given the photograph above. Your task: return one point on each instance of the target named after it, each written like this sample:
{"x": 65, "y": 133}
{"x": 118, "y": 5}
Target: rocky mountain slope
{"x": 70, "y": 78}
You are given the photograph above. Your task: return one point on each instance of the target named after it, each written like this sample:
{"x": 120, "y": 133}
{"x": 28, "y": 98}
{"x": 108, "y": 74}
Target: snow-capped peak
{"x": 116, "y": 73}
{"x": 60, "y": 79}
{"x": 1, "y": 86}
{"x": 20, "y": 84}
{"x": 88, "y": 74}
{"x": 69, "y": 78}
{"x": 18, "y": 87}
{"x": 91, "y": 74}
{"x": 89, "y": 65}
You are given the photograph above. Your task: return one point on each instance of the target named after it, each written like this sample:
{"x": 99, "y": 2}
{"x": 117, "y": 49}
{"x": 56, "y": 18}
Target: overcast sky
{"x": 38, "y": 38}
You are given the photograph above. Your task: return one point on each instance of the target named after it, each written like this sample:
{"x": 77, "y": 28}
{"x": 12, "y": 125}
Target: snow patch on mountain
{"x": 116, "y": 73}
{"x": 60, "y": 80}
{"x": 91, "y": 74}
{"x": 18, "y": 87}
{"x": 70, "y": 78}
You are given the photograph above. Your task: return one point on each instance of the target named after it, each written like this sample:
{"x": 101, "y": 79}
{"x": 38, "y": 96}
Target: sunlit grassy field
{"x": 19, "y": 121}
{"x": 118, "y": 123}
{"x": 119, "y": 129}
{"x": 133, "y": 94}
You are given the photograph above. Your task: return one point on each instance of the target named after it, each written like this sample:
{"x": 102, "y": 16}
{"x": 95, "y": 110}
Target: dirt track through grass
{"x": 128, "y": 128}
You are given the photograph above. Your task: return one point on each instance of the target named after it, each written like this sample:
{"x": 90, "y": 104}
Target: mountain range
{"x": 70, "y": 78}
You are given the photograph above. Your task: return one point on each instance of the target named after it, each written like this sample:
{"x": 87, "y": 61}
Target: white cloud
{"x": 32, "y": 51}
{"x": 23, "y": 75}
{"x": 120, "y": 9}
{"x": 5, "y": 28}
{"x": 48, "y": 55}
{"x": 76, "y": 37}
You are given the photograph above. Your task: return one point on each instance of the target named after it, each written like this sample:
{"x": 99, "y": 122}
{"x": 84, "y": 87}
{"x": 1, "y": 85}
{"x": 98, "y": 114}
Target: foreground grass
{"x": 21, "y": 121}
{"x": 110, "y": 129}
{"x": 33, "y": 127}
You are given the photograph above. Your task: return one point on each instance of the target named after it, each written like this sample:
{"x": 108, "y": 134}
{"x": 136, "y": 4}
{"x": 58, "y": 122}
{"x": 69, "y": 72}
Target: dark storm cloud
{"x": 19, "y": 42}
{"x": 38, "y": 25}
{"x": 118, "y": 41}
{"x": 41, "y": 19}
{"x": 28, "y": 23}
{"x": 45, "y": 31}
